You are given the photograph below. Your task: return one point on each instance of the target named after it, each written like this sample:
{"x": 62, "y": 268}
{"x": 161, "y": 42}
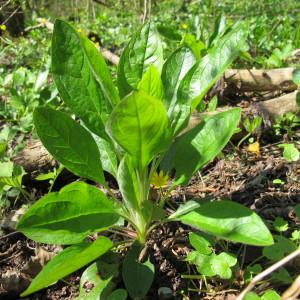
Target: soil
{"x": 239, "y": 175}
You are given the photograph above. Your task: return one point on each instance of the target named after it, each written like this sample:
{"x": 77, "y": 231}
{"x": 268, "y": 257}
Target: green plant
{"x": 207, "y": 262}
{"x": 131, "y": 138}
{"x": 290, "y": 152}
{"x": 251, "y": 126}
{"x": 11, "y": 177}
{"x": 286, "y": 123}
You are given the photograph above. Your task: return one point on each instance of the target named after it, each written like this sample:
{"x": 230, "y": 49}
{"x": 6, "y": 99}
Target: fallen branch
{"x": 267, "y": 272}
{"x": 260, "y": 80}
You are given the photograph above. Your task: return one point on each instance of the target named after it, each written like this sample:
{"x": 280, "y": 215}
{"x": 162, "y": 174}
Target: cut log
{"x": 269, "y": 109}
{"x": 279, "y": 106}
{"x": 260, "y": 80}
{"x": 34, "y": 157}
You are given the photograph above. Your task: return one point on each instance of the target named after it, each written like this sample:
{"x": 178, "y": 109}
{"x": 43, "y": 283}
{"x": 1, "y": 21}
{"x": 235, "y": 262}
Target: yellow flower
{"x": 159, "y": 180}
{"x": 43, "y": 21}
{"x": 93, "y": 38}
{"x": 254, "y": 148}
{"x": 3, "y": 27}
{"x": 184, "y": 26}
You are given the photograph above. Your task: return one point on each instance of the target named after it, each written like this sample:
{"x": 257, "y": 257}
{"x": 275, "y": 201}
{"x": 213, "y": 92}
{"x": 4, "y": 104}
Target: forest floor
{"x": 238, "y": 175}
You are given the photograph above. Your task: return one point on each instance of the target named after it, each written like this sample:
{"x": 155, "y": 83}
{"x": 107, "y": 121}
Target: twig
{"x": 267, "y": 272}
{"x": 8, "y": 235}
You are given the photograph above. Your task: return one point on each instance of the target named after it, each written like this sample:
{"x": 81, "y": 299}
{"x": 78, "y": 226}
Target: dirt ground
{"x": 239, "y": 175}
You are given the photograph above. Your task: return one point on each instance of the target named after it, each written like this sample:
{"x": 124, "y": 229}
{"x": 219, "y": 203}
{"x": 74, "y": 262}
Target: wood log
{"x": 34, "y": 157}
{"x": 269, "y": 109}
{"x": 260, "y": 80}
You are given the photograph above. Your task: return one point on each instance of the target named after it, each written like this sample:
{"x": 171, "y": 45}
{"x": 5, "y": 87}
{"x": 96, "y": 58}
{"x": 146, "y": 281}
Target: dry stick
{"x": 267, "y": 272}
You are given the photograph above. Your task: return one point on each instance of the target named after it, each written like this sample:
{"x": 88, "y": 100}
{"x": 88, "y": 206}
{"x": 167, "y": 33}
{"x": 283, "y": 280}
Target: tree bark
{"x": 260, "y": 80}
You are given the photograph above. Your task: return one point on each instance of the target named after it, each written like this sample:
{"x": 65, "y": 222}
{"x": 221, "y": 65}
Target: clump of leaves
{"x": 208, "y": 263}
{"x": 132, "y": 133}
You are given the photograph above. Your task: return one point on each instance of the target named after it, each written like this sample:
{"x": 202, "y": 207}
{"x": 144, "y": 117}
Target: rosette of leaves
{"x": 131, "y": 131}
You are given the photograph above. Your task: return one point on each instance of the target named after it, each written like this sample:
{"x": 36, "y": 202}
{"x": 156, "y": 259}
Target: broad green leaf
{"x": 270, "y": 295}
{"x": 68, "y": 261}
{"x": 69, "y": 143}
{"x": 200, "y": 144}
{"x": 137, "y": 276}
{"x": 151, "y": 83}
{"x": 252, "y": 296}
{"x": 201, "y": 244}
{"x": 174, "y": 70}
{"x": 169, "y": 33}
{"x": 140, "y": 125}
{"x": 184, "y": 209}
{"x": 97, "y": 281}
{"x": 220, "y": 26}
{"x": 230, "y": 221}
{"x": 82, "y": 77}
{"x": 280, "y": 249}
{"x": 204, "y": 74}
{"x": 108, "y": 155}
{"x": 143, "y": 50}
{"x": 128, "y": 184}
{"x": 92, "y": 285}
{"x": 68, "y": 216}
{"x": 119, "y": 294}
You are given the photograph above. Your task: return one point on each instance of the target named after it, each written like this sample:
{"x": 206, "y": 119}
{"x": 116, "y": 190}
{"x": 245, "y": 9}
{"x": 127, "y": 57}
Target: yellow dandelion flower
{"x": 184, "y": 26}
{"x": 159, "y": 180}
{"x": 254, "y": 148}
{"x": 3, "y": 27}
